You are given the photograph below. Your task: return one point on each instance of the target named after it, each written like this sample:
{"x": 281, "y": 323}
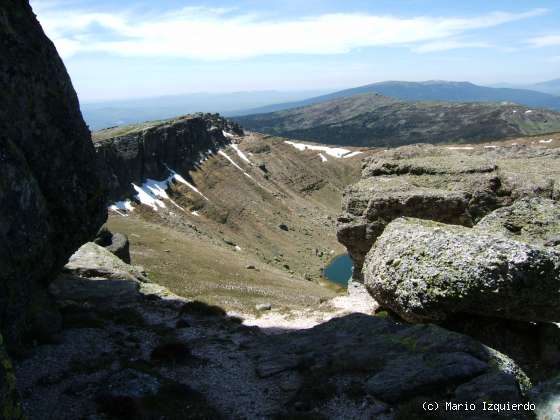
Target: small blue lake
{"x": 339, "y": 270}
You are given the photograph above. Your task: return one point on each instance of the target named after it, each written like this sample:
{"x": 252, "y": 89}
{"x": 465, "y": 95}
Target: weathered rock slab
{"x": 427, "y": 271}
{"x": 396, "y": 361}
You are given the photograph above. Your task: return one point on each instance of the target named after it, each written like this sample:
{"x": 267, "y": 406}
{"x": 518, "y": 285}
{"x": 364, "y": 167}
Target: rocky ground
{"x": 132, "y": 349}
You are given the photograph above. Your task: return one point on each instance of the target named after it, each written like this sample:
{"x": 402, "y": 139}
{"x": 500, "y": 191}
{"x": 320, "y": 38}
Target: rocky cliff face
{"x": 51, "y": 200}
{"x": 132, "y": 154}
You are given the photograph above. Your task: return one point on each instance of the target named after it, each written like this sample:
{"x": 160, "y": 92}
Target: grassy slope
{"x": 375, "y": 120}
{"x": 298, "y": 190}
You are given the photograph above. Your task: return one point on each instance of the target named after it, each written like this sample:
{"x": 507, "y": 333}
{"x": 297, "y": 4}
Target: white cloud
{"x": 448, "y": 44}
{"x": 545, "y": 41}
{"x": 223, "y": 34}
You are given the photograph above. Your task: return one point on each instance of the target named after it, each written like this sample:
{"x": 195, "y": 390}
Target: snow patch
{"x": 152, "y": 193}
{"x": 490, "y": 147}
{"x": 528, "y": 111}
{"x": 336, "y": 152}
{"x": 240, "y": 153}
{"x": 323, "y": 158}
{"x": 546, "y": 141}
{"x": 122, "y": 206}
{"x": 148, "y": 196}
{"x": 351, "y": 155}
{"x": 182, "y": 180}
{"x": 460, "y": 148}
{"x": 227, "y": 135}
{"x": 221, "y": 152}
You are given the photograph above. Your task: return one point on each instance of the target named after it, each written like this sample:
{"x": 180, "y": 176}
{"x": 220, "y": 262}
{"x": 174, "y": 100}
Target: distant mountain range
{"x": 106, "y": 114}
{"x": 371, "y": 119}
{"x": 432, "y": 91}
{"x": 551, "y": 87}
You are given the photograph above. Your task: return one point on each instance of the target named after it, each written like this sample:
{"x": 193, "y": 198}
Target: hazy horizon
{"x": 140, "y": 49}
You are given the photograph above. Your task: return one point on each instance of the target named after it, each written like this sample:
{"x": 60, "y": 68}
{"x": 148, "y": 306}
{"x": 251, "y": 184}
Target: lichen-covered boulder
{"x": 51, "y": 199}
{"x": 427, "y": 271}
{"x": 532, "y": 219}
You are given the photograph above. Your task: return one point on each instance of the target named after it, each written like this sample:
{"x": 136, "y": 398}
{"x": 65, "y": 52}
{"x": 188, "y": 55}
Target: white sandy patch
{"x": 357, "y": 300}
{"x": 336, "y": 152}
{"x": 490, "y": 147}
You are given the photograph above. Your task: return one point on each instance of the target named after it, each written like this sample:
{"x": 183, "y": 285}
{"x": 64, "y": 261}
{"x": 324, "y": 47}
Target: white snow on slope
{"x": 182, "y": 180}
{"x": 546, "y": 141}
{"x": 227, "y": 135}
{"x": 490, "y": 147}
{"x": 460, "y": 148}
{"x": 528, "y": 111}
{"x": 221, "y": 152}
{"x": 336, "y": 152}
{"x": 240, "y": 153}
{"x": 323, "y": 158}
{"x": 148, "y": 194}
{"x": 122, "y": 205}
{"x": 152, "y": 193}
{"x": 351, "y": 155}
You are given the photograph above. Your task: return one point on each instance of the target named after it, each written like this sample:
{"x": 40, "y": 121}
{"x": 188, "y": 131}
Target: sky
{"x": 129, "y": 49}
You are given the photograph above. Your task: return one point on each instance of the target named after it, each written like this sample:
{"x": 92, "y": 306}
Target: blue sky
{"x": 127, "y": 49}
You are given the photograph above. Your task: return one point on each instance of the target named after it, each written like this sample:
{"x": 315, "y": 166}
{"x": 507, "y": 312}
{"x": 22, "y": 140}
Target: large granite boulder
{"x": 426, "y": 271}
{"x": 95, "y": 276}
{"x": 435, "y": 183}
{"x": 51, "y": 199}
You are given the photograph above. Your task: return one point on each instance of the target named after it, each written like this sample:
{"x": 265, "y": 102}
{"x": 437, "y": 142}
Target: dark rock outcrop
{"x": 51, "y": 199}
{"x": 116, "y": 243}
{"x": 395, "y": 362}
{"x": 10, "y": 408}
{"x": 427, "y": 271}
{"x": 435, "y": 183}
{"x": 132, "y": 154}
